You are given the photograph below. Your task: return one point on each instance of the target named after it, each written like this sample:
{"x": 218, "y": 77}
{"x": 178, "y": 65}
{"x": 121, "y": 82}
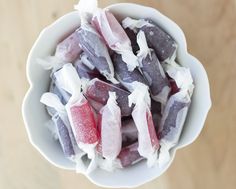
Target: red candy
{"x": 84, "y": 123}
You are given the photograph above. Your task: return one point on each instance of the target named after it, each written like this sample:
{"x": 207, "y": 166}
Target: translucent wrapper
{"x": 162, "y": 43}
{"x": 129, "y": 155}
{"x": 126, "y": 77}
{"x": 64, "y": 130}
{"x": 110, "y": 131}
{"x": 152, "y": 70}
{"x": 69, "y": 49}
{"x": 129, "y": 132}
{"x": 80, "y": 114}
{"x": 115, "y": 36}
{"x": 182, "y": 77}
{"x": 148, "y": 143}
{"x": 86, "y": 70}
{"x": 92, "y": 43}
{"x": 172, "y": 123}
{"x": 98, "y": 93}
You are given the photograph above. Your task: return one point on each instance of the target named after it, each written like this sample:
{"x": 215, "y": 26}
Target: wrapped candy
{"x": 126, "y": 77}
{"x": 64, "y": 130}
{"x": 79, "y": 111}
{"x": 110, "y": 128}
{"x": 172, "y": 123}
{"x": 129, "y": 155}
{"x": 69, "y": 49}
{"x": 92, "y": 43}
{"x": 152, "y": 70}
{"x": 129, "y": 132}
{"x": 64, "y": 136}
{"x": 115, "y": 36}
{"x": 97, "y": 93}
{"x": 147, "y": 139}
{"x": 163, "y": 44}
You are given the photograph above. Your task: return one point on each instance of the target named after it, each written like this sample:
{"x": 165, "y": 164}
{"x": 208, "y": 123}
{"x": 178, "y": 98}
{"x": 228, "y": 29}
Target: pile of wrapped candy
{"x": 117, "y": 95}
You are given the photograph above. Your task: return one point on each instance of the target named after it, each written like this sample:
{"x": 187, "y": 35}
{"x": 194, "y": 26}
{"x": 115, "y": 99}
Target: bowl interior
{"x": 35, "y": 115}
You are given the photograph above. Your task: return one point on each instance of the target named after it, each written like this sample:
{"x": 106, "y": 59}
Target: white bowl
{"x": 35, "y": 115}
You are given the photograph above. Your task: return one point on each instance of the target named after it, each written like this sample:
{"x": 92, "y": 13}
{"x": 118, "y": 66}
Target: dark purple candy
{"x": 93, "y": 46}
{"x": 170, "y": 121}
{"x": 125, "y": 76}
{"x": 154, "y": 74}
{"x": 98, "y": 91}
{"x": 133, "y": 38}
{"x": 157, "y": 39}
{"x": 64, "y": 136}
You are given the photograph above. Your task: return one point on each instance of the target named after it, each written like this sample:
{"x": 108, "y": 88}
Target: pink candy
{"x": 68, "y": 50}
{"x": 115, "y": 36}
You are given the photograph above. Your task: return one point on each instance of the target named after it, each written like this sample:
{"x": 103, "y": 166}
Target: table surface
{"x": 210, "y": 29}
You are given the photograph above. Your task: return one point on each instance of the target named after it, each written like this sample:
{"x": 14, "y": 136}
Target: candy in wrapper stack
{"x": 117, "y": 96}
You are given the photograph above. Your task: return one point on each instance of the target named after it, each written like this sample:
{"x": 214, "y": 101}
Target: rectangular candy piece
{"x": 126, "y": 77}
{"x": 79, "y": 111}
{"x": 129, "y": 155}
{"x": 69, "y": 49}
{"x": 63, "y": 136}
{"x": 148, "y": 143}
{"x": 110, "y": 130}
{"x": 152, "y": 70}
{"x": 129, "y": 132}
{"x": 172, "y": 123}
{"x": 93, "y": 46}
{"x": 133, "y": 38}
{"x": 163, "y": 44}
{"x": 98, "y": 91}
{"x": 115, "y": 36}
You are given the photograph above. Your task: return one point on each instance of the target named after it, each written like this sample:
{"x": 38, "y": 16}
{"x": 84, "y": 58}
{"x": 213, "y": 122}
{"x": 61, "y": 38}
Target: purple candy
{"x": 64, "y": 137}
{"x": 96, "y": 50}
{"x": 98, "y": 91}
{"x": 123, "y": 75}
{"x": 163, "y": 44}
{"x": 132, "y": 37}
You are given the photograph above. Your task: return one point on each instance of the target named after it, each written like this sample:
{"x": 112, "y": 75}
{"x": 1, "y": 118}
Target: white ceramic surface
{"x": 35, "y": 115}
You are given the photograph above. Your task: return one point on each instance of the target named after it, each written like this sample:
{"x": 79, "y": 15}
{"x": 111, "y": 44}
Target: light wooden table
{"x": 210, "y": 162}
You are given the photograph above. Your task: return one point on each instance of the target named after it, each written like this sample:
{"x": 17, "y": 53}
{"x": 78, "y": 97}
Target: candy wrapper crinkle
{"x": 148, "y": 143}
{"x": 92, "y": 43}
{"x": 64, "y": 130}
{"x": 163, "y": 44}
{"x": 79, "y": 111}
{"x": 115, "y": 36}
{"x": 152, "y": 70}
{"x": 110, "y": 128}
{"x": 172, "y": 123}
{"x": 181, "y": 75}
